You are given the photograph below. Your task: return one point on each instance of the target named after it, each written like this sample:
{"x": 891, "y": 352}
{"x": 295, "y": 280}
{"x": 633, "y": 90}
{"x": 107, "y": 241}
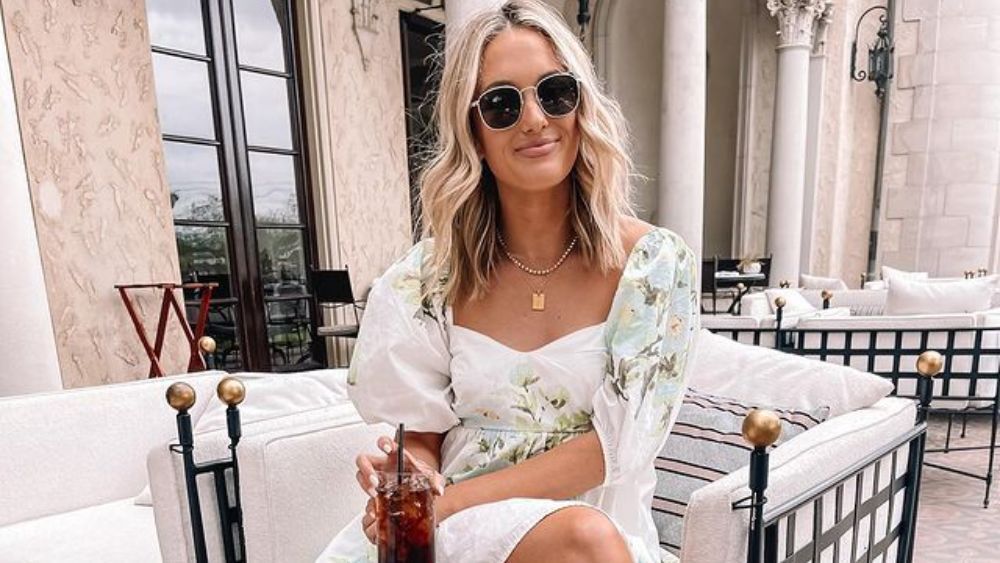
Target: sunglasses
{"x": 500, "y": 107}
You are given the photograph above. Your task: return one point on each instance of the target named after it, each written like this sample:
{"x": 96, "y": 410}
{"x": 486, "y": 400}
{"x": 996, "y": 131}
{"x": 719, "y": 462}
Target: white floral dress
{"x": 623, "y": 379}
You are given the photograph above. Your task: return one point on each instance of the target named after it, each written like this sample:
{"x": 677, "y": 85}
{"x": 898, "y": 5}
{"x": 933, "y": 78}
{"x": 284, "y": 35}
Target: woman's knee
{"x": 591, "y": 535}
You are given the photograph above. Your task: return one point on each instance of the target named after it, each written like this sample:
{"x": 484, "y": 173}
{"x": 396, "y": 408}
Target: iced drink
{"x": 404, "y": 509}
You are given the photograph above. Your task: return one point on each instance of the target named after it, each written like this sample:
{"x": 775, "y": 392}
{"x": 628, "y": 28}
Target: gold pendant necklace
{"x": 537, "y": 295}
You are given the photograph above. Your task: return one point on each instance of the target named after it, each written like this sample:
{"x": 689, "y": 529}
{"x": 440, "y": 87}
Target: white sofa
{"x": 297, "y": 469}
{"x": 73, "y": 461}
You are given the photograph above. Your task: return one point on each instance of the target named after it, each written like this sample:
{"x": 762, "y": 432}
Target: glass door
{"x": 227, "y": 92}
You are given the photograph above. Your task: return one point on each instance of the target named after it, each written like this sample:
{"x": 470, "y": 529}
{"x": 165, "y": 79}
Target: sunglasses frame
{"x": 520, "y": 93}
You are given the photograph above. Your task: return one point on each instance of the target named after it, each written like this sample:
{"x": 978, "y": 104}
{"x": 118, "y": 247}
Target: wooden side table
{"x": 195, "y": 362}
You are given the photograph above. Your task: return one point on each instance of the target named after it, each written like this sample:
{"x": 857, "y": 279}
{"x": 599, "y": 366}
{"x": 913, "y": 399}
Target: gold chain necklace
{"x": 537, "y": 295}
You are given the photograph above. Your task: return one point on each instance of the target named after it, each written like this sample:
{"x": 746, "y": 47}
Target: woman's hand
{"x": 367, "y": 477}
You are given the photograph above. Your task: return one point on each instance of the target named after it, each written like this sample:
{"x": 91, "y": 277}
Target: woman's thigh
{"x": 573, "y": 534}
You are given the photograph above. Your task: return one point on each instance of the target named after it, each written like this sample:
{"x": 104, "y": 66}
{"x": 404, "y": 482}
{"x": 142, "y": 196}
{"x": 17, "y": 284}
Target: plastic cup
{"x": 404, "y": 510}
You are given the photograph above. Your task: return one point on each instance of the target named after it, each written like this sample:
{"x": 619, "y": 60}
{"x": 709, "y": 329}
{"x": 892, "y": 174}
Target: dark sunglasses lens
{"x": 500, "y": 107}
{"x": 558, "y": 95}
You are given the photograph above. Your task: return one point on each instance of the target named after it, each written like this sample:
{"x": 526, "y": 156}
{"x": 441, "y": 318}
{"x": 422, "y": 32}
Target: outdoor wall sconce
{"x": 583, "y": 17}
{"x": 880, "y": 66}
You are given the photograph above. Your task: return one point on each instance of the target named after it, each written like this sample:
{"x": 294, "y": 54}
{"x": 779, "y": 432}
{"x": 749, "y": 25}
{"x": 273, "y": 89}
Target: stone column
{"x": 817, "y": 78}
{"x": 459, "y": 11}
{"x": 796, "y": 19}
{"x": 681, "y": 190}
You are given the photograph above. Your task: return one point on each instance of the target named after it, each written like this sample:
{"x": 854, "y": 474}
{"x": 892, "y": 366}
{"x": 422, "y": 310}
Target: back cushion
{"x": 705, "y": 444}
{"x": 912, "y": 297}
{"x": 817, "y": 282}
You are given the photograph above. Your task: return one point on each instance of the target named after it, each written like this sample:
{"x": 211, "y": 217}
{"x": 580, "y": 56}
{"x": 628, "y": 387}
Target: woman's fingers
{"x": 366, "y": 474}
{"x": 436, "y": 479}
{"x": 368, "y": 522}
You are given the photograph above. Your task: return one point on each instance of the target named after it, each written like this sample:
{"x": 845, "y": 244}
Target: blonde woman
{"x": 535, "y": 342}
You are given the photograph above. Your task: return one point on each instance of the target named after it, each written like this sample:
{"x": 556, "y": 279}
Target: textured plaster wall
{"x": 86, "y": 105}
{"x": 940, "y": 212}
{"x": 364, "y": 114}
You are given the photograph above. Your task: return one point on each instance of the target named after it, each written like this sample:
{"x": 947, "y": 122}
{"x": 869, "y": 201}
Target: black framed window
{"x": 228, "y": 101}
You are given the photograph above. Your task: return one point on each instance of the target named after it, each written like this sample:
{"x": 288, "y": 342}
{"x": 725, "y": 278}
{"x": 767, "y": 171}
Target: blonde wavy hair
{"x": 458, "y": 192}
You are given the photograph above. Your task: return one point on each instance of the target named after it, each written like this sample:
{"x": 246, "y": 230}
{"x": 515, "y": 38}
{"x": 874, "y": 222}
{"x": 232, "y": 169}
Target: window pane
{"x": 261, "y": 28}
{"x": 223, "y": 326}
{"x": 204, "y": 256}
{"x": 274, "y": 196}
{"x": 183, "y": 97}
{"x": 288, "y": 332}
{"x": 282, "y": 262}
{"x": 176, "y": 24}
{"x": 265, "y": 110}
{"x": 193, "y": 175}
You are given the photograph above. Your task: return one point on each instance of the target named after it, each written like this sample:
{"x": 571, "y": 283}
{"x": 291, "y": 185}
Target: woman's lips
{"x": 539, "y": 150}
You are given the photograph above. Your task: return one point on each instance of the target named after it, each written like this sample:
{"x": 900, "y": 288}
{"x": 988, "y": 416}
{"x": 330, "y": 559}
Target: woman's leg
{"x": 576, "y": 534}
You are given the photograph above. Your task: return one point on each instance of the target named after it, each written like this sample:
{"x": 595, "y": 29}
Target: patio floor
{"x": 953, "y": 527}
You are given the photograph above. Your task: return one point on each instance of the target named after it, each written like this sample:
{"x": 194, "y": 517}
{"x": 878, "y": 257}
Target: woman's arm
{"x": 567, "y": 470}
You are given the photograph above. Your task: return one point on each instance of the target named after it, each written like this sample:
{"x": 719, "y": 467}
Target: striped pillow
{"x": 706, "y": 444}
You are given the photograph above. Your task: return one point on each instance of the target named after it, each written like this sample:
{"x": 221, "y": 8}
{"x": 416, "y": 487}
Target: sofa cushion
{"x": 909, "y": 297}
{"x": 115, "y": 532}
{"x": 705, "y": 444}
{"x": 795, "y": 303}
{"x": 891, "y": 274}
{"x": 273, "y": 396}
{"x": 721, "y": 367}
{"x": 818, "y": 282}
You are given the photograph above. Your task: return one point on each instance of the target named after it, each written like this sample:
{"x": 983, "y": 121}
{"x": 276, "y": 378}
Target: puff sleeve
{"x": 400, "y": 368}
{"x": 654, "y": 320}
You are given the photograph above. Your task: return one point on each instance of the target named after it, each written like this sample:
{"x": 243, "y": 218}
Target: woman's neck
{"x": 536, "y": 224}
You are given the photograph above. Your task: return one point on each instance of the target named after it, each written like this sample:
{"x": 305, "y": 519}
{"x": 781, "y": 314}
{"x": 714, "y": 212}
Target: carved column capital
{"x": 796, "y": 20}
{"x": 822, "y": 26}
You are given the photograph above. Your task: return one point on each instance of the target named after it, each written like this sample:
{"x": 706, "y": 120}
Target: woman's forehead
{"x": 517, "y": 56}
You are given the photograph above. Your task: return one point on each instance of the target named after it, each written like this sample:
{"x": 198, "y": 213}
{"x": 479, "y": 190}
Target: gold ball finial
{"x": 740, "y": 286}
{"x": 231, "y": 391}
{"x": 779, "y": 302}
{"x": 180, "y": 396}
{"x": 207, "y": 344}
{"x": 826, "y": 295}
{"x": 930, "y": 363}
{"x": 761, "y": 428}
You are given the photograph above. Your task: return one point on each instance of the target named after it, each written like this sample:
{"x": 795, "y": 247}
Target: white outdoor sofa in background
{"x": 72, "y": 463}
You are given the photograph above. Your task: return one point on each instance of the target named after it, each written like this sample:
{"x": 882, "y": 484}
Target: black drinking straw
{"x": 399, "y": 454}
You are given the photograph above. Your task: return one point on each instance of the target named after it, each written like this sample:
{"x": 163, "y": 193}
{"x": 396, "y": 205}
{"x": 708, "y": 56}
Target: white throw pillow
{"x": 795, "y": 303}
{"x": 762, "y": 375}
{"x": 817, "y": 282}
{"x": 273, "y": 396}
{"x": 914, "y": 297}
{"x": 890, "y": 274}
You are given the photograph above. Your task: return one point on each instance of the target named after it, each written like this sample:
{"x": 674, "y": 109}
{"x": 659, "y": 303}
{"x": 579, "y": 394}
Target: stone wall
{"x": 83, "y": 84}
{"x": 940, "y": 212}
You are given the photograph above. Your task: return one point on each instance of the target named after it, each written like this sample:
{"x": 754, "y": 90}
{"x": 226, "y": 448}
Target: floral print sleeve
{"x": 399, "y": 371}
{"x": 651, "y": 329}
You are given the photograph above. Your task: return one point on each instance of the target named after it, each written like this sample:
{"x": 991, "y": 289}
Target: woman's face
{"x": 538, "y": 152}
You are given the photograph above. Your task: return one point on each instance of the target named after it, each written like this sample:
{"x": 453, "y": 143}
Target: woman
{"x": 536, "y": 345}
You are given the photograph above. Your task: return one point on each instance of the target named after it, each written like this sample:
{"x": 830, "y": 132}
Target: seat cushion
{"x": 107, "y": 533}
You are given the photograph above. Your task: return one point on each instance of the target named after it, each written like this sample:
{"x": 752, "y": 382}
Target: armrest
{"x": 296, "y": 479}
{"x": 716, "y": 533}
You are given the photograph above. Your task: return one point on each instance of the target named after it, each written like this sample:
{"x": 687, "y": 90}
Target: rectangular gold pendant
{"x": 537, "y": 301}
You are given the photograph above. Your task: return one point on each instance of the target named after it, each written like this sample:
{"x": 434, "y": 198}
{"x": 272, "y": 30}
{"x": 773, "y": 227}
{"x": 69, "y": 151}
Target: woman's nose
{"x": 532, "y": 116}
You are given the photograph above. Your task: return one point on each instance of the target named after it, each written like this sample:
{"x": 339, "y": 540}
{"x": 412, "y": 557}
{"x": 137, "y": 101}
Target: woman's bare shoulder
{"x": 634, "y": 229}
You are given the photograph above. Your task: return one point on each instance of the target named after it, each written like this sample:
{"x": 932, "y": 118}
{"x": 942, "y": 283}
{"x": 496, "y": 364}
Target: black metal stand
{"x": 230, "y": 509}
